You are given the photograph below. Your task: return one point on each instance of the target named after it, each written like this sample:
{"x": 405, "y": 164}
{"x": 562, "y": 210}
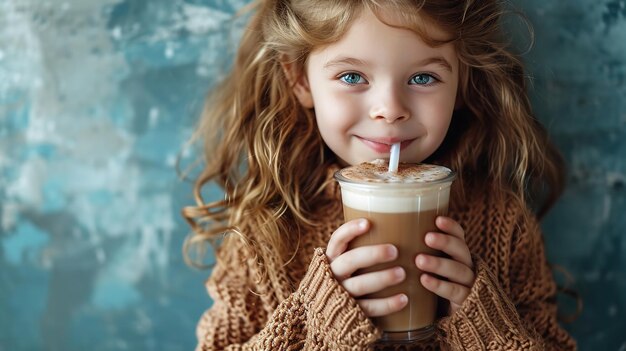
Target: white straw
{"x": 394, "y": 157}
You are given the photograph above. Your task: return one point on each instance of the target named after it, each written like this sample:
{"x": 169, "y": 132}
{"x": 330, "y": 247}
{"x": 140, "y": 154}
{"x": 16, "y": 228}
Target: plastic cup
{"x": 401, "y": 211}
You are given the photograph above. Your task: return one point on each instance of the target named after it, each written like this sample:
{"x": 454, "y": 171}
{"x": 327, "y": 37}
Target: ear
{"x": 298, "y": 82}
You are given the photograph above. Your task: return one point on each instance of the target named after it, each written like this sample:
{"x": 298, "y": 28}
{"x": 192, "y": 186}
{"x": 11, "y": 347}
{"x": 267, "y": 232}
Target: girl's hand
{"x": 458, "y": 269}
{"x": 345, "y": 263}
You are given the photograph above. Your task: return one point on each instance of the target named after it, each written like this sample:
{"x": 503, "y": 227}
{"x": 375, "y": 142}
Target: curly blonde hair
{"x": 264, "y": 150}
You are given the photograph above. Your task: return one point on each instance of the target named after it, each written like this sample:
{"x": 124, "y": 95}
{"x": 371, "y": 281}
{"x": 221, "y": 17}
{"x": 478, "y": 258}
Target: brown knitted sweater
{"x": 511, "y": 305}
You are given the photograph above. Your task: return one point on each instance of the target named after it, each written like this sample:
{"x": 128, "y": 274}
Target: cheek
{"x": 335, "y": 114}
{"x": 438, "y": 128}
{"x": 435, "y": 116}
{"x": 332, "y": 123}
{"x": 440, "y": 112}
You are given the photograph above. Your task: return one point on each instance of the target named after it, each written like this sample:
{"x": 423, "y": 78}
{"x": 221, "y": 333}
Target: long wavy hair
{"x": 264, "y": 150}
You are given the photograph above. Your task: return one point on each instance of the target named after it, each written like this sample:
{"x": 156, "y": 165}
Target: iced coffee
{"x": 401, "y": 207}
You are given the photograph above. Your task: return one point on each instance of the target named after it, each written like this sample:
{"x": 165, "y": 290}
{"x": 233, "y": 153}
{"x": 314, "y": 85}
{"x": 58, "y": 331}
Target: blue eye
{"x": 422, "y": 79}
{"x": 351, "y": 78}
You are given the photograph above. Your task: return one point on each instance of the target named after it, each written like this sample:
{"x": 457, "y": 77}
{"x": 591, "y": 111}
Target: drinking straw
{"x": 394, "y": 157}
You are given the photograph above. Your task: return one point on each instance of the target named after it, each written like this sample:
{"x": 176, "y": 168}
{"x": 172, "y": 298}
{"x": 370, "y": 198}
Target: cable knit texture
{"x": 510, "y": 307}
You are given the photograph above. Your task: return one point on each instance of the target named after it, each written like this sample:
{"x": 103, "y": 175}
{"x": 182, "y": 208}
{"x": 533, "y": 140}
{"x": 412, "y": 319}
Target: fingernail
{"x": 363, "y": 224}
{"x": 430, "y": 238}
{"x": 404, "y": 299}
{"x": 399, "y": 272}
{"x": 392, "y": 251}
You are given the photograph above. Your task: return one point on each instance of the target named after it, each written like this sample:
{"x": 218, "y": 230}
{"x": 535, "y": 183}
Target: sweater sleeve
{"x": 523, "y": 319}
{"x": 319, "y": 315}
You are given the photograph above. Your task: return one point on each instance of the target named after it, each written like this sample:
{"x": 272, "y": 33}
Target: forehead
{"x": 382, "y": 40}
{"x": 412, "y": 19}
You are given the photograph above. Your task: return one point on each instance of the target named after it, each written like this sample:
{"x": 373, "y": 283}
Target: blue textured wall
{"x": 97, "y": 97}
{"x": 579, "y": 64}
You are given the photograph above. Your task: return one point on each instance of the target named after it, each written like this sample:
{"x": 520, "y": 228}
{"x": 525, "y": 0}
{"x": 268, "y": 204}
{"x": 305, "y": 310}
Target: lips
{"x": 383, "y": 145}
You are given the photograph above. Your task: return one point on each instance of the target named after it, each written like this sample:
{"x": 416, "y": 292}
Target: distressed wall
{"x": 579, "y": 64}
{"x": 97, "y": 98}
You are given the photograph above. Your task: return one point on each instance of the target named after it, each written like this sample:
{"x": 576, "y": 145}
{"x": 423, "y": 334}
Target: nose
{"x": 390, "y": 105}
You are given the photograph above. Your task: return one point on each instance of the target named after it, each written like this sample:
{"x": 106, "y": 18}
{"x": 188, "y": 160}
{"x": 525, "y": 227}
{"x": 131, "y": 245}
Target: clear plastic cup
{"x": 401, "y": 211}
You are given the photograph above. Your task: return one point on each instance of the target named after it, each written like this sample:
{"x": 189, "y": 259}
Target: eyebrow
{"x": 345, "y": 61}
{"x": 438, "y": 60}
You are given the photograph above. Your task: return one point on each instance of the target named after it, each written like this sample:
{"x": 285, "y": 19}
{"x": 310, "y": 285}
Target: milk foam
{"x": 421, "y": 187}
{"x": 376, "y": 171}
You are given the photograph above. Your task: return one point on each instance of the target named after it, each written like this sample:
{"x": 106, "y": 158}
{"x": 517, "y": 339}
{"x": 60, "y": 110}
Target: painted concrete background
{"x": 97, "y": 99}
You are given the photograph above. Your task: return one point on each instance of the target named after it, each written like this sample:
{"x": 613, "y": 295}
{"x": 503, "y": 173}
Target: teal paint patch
{"x": 22, "y": 309}
{"x": 614, "y": 13}
{"x": 55, "y": 198}
{"x": 114, "y": 294}
{"x": 24, "y": 245}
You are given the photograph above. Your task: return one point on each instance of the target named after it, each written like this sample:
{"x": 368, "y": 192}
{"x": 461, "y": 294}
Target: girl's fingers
{"x": 362, "y": 257}
{"x": 373, "y": 282}
{"x": 383, "y": 307}
{"x": 338, "y": 242}
{"x": 454, "y": 271}
{"x": 450, "y": 226}
{"x": 455, "y": 293}
{"x": 451, "y": 245}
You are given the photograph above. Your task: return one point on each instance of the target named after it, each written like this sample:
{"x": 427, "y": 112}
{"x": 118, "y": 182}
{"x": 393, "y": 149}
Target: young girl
{"x": 318, "y": 85}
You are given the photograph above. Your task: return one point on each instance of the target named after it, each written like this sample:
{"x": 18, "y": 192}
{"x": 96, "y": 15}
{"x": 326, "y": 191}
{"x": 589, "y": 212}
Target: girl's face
{"x": 380, "y": 85}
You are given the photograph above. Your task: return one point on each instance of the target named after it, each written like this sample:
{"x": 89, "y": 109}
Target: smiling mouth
{"x": 384, "y": 146}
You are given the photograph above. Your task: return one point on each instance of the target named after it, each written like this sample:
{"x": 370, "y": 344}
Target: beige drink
{"x": 401, "y": 208}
